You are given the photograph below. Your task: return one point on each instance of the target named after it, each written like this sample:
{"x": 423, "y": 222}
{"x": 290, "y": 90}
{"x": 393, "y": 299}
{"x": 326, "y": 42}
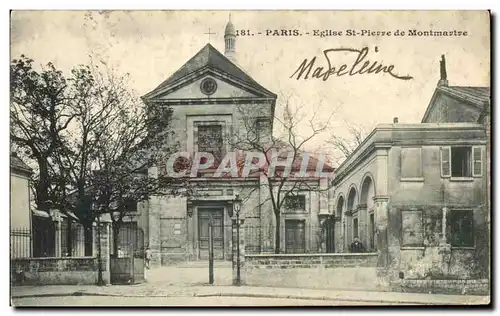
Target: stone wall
{"x": 327, "y": 260}
{"x": 471, "y": 287}
{"x": 319, "y": 271}
{"x": 50, "y": 271}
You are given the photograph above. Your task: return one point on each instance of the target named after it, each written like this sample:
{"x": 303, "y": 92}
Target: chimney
{"x": 443, "y": 80}
{"x": 395, "y": 120}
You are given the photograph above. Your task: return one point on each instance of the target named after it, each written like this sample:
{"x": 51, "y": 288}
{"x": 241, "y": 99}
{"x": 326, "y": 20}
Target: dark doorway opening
{"x": 215, "y": 217}
{"x": 295, "y": 241}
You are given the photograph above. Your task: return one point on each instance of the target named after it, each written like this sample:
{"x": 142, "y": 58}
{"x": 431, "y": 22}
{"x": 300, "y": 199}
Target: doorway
{"x": 295, "y": 236}
{"x": 215, "y": 216}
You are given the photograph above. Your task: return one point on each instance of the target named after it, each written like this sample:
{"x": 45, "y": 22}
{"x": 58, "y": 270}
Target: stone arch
{"x": 352, "y": 198}
{"x": 340, "y": 206}
{"x": 367, "y": 190}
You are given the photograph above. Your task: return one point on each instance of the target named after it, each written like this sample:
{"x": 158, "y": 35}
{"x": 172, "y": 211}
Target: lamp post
{"x": 237, "y": 208}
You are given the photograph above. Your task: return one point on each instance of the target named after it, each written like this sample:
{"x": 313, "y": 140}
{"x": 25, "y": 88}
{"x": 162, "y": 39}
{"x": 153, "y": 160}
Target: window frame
{"x": 418, "y": 178}
{"x": 208, "y": 124}
{"x": 469, "y": 162}
{"x": 450, "y": 238}
{"x": 422, "y": 225}
{"x": 299, "y": 208}
{"x": 472, "y": 162}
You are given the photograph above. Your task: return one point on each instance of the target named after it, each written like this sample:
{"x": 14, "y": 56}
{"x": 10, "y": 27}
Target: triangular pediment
{"x": 231, "y": 80}
{"x": 456, "y": 104}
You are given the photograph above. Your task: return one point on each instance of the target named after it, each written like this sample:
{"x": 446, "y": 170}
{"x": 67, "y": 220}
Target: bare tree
{"x": 255, "y": 135}
{"x": 92, "y": 139}
{"x": 116, "y": 140}
{"x": 343, "y": 147}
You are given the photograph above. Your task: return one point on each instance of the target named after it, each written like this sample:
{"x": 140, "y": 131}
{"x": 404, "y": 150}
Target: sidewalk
{"x": 150, "y": 290}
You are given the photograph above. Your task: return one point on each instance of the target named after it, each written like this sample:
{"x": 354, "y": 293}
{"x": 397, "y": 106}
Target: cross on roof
{"x": 209, "y": 33}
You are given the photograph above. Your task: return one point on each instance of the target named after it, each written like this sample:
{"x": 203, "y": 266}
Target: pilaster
{"x": 381, "y": 224}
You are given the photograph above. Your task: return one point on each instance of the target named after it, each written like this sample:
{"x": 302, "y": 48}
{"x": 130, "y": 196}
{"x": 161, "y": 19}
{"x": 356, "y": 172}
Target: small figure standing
{"x": 148, "y": 255}
{"x": 357, "y": 246}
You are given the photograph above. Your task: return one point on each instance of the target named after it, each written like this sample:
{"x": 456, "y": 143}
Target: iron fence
{"x": 64, "y": 240}
{"x": 295, "y": 236}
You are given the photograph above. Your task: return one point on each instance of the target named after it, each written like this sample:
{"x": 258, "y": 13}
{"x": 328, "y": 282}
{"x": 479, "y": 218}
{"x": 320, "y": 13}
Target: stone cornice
{"x": 207, "y": 70}
{"x": 385, "y": 136}
{"x": 199, "y": 101}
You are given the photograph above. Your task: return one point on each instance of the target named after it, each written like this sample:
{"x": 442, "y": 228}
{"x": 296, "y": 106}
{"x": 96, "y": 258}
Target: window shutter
{"x": 477, "y": 161}
{"x": 445, "y": 161}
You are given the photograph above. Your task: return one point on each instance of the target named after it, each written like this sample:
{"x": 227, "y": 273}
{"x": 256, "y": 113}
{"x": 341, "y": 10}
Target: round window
{"x": 208, "y": 86}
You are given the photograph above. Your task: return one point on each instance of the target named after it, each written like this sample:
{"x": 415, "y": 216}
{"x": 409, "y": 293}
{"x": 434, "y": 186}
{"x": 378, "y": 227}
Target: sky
{"x": 151, "y": 45}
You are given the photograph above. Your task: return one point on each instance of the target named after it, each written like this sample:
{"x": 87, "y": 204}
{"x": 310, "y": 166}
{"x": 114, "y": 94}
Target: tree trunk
{"x": 277, "y": 240}
{"x": 42, "y": 187}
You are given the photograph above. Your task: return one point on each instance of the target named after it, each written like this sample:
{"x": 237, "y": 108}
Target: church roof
{"x": 210, "y": 57}
{"x": 229, "y": 29}
{"x": 17, "y": 164}
{"x": 476, "y": 95}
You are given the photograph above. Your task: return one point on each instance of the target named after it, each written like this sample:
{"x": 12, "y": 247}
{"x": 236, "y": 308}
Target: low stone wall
{"x": 327, "y": 260}
{"x": 319, "y": 271}
{"x": 51, "y": 271}
{"x": 471, "y": 287}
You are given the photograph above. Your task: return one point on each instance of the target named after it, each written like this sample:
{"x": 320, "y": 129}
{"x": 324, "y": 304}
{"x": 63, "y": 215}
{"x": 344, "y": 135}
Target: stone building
{"x": 205, "y": 95}
{"x": 418, "y": 194}
{"x": 20, "y": 210}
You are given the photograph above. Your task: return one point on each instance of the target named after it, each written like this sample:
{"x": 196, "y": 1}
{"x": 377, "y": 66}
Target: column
{"x": 56, "y": 217}
{"x": 339, "y": 235}
{"x": 105, "y": 245}
{"x": 241, "y": 260}
{"x": 154, "y": 230}
{"x": 267, "y": 218}
{"x": 347, "y": 226}
{"x": 381, "y": 242}
{"x": 363, "y": 225}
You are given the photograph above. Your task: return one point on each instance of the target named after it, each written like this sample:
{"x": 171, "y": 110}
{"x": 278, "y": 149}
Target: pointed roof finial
{"x": 229, "y": 28}
{"x": 443, "y": 80}
{"x": 443, "y": 68}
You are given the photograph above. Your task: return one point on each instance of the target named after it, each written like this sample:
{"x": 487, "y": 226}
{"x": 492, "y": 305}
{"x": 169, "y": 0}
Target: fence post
{"x": 210, "y": 255}
{"x": 238, "y": 253}
{"x": 132, "y": 257}
{"x": 103, "y": 254}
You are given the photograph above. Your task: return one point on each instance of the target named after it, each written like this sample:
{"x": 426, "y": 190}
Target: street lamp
{"x": 237, "y": 209}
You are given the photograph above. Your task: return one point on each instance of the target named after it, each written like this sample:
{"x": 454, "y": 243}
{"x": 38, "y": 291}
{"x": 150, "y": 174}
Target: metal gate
{"x": 127, "y": 254}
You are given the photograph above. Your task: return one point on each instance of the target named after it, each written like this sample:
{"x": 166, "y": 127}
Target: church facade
{"x": 206, "y": 95}
{"x": 415, "y": 194}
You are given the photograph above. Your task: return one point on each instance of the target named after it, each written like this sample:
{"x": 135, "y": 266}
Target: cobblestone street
{"x": 179, "y": 301}
{"x": 187, "y": 285}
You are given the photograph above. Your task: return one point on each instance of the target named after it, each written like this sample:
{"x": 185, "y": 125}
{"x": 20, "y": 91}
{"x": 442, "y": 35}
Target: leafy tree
{"x": 40, "y": 112}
